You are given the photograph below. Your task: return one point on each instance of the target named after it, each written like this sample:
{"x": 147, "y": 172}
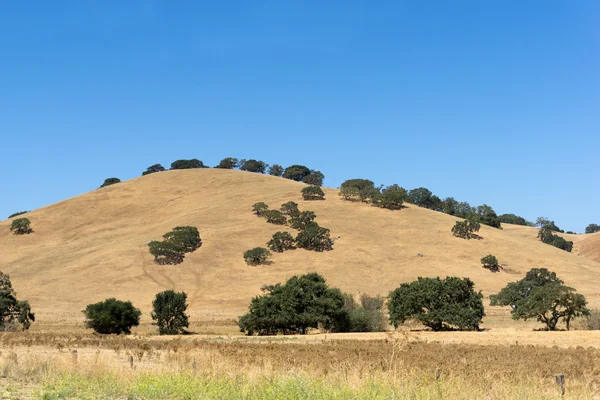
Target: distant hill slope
{"x": 91, "y": 247}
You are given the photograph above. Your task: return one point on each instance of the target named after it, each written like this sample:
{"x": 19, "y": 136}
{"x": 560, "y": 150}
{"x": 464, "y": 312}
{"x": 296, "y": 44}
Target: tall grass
{"x": 382, "y": 369}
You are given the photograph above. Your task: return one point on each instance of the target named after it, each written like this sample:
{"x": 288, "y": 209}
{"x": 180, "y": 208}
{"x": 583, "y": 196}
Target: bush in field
{"x": 296, "y": 172}
{"x": 168, "y": 310}
{"x": 312, "y": 193}
{"x": 259, "y": 208}
{"x": 276, "y": 170}
{"x": 275, "y": 217}
{"x": 14, "y": 314}
{"x": 153, "y": 169}
{"x": 314, "y": 237}
{"x": 110, "y": 181}
{"x": 166, "y": 252}
{"x": 257, "y": 256}
{"x": 228, "y": 163}
{"x": 17, "y": 214}
{"x": 301, "y": 303}
{"x": 301, "y": 220}
{"x": 593, "y": 320}
{"x": 358, "y": 189}
{"x": 591, "y": 228}
{"x": 438, "y": 304}
{"x": 490, "y": 262}
{"x": 464, "y": 229}
{"x": 290, "y": 208}
{"x": 366, "y": 316}
{"x": 256, "y": 166}
{"x": 281, "y": 241}
{"x": 187, "y": 164}
{"x": 112, "y": 316}
{"x": 391, "y": 197}
{"x": 21, "y": 226}
{"x": 543, "y": 296}
{"x": 314, "y": 178}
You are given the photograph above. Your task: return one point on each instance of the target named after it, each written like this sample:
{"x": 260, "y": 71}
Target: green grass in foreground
{"x": 188, "y": 386}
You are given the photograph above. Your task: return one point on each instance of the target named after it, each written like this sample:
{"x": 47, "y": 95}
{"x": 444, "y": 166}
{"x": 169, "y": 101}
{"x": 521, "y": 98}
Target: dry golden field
{"x": 91, "y": 247}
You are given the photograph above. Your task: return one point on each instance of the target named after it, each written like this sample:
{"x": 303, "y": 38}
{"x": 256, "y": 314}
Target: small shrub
{"x": 112, "y": 316}
{"x": 275, "y": 217}
{"x": 301, "y": 220}
{"x": 110, "y": 181}
{"x": 315, "y": 238}
{"x": 313, "y": 193}
{"x": 17, "y": 214}
{"x": 281, "y": 241}
{"x": 169, "y": 312}
{"x": 259, "y": 208}
{"x": 490, "y": 262}
{"x": 464, "y": 229}
{"x": 21, "y": 226}
{"x": 290, "y": 208}
{"x": 368, "y": 316}
{"x": 153, "y": 169}
{"x": 593, "y": 320}
{"x": 257, "y": 256}
{"x": 166, "y": 252}
{"x": 276, "y": 170}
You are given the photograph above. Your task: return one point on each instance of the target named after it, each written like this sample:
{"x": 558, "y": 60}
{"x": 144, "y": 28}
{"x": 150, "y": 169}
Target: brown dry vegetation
{"x": 493, "y": 372}
{"x": 91, "y": 247}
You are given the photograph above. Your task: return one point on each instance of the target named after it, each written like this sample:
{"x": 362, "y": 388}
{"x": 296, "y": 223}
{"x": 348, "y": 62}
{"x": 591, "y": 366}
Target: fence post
{"x": 74, "y": 355}
{"x": 131, "y": 361}
{"x": 560, "y": 381}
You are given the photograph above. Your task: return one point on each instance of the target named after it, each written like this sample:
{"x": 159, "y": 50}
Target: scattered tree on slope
{"x": 542, "y": 295}
{"x": 153, "y": 169}
{"x": 21, "y": 226}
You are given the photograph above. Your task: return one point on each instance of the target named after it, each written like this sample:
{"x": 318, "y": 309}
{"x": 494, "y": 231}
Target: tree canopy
{"x": 313, "y": 193}
{"x": 591, "y": 228}
{"x": 187, "y": 164}
{"x": 513, "y": 219}
{"x": 112, "y": 316}
{"x": 21, "y": 226}
{"x": 314, "y": 178}
{"x": 314, "y": 237}
{"x": 153, "y": 169}
{"x": 465, "y": 229}
{"x": 256, "y": 166}
{"x": 543, "y": 296}
{"x": 281, "y": 241}
{"x": 228, "y": 163}
{"x": 17, "y": 214}
{"x": 296, "y": 172}
{"x": 14, "y": 314}
{"x": 276, "y": 170}
{"x": 259, "y": 208}
{"x": 438, "y": 304}
{"x": 302, "y": 303}
{"x": 546, "y": 236}
{"x": 168, "y": 312}
{"x": 110, "y": 181}
{"x": 257, "y": 256}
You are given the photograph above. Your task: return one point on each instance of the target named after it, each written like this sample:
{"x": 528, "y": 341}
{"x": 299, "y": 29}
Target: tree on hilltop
{"x": 153, "y": 169}
{"x": 276, "y": 170}
{"x": 296, "y": 172}
{"x": 592, "y": 228}
{"x": 187, "y": 164}
{"x": 256, "y": 166}
{"x": 110, "y": 181}
{"x": 17, "y": 214}
{"x": 228, "y": 163}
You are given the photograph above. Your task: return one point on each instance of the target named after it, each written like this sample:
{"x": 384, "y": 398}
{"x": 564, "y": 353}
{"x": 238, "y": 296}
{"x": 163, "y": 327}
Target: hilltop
{"x": 92, "y": 246}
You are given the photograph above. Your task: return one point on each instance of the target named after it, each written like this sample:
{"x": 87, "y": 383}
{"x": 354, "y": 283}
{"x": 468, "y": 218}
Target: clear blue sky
{"x": 493, "y": 102}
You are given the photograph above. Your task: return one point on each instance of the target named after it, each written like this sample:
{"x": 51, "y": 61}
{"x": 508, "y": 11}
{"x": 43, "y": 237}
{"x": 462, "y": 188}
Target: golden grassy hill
{"x": 91, "y": 247}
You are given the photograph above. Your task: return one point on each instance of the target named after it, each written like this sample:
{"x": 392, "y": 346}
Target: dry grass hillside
{"x": 91, "y": 247}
